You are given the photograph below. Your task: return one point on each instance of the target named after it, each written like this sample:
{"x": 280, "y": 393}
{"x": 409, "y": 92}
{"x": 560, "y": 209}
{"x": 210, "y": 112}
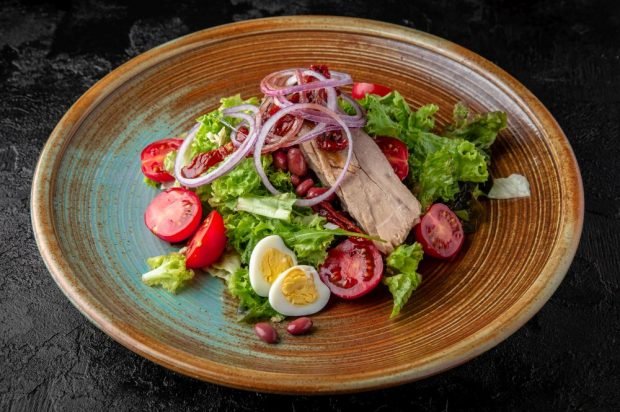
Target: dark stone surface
{"x": 566, "y": 358}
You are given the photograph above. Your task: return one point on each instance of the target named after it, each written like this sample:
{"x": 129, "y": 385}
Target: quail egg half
{"x": 298, "y": 292}
{"x": 269, "y": 259}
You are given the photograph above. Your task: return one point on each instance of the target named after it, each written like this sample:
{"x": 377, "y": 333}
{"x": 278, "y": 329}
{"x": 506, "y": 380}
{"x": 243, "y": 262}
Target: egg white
{"x": 260, "y": 285}
{"x": 280, "y": 303}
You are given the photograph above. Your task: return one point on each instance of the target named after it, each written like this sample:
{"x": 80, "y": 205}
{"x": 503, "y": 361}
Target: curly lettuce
{"x": 437, "y": 163}
{"x": 251, "y": 306}
{"x": 250, "y": 213}
{"x": 213, "y": 131}
{"x": 168, "y": 271}
{"x": 403, "y": 263}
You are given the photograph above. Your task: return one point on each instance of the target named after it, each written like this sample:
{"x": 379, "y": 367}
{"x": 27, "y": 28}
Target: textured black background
{"x": 566, "y": 358}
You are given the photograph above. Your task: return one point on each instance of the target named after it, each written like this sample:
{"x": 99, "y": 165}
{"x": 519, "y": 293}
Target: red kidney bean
{"x": 266, "y": 332}
{"x": 295, "y": 180}
{"x": 296, "y": 162}
{"x": 317, "y": 191}
{"x": 303, "y": 187}
{"x": 299, "y": 326}
{"x": 280, "y": 160}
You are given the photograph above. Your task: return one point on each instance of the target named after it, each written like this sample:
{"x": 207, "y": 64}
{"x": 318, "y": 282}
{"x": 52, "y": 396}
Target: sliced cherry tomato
{"x": 152, "y": 158}
{"x": 174, "y": 214}
{"x": 205, "y": 161}
{"x": 440, "y": 232}
{"x": 396, "y": 153}
{"x": 208, "y": 243}
{"x": 332, "y": 141}
{"x": 352, "y": 269}
{"x": 362, "y": 89}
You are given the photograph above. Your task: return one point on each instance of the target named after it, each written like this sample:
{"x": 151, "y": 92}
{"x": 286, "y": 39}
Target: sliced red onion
{"x": 271, "y": 87}
{"x": 351, "y": 121}
{"x": 260, "y": 141}
{"x": 226, "y": 166}
{"x": 233, "y": 134}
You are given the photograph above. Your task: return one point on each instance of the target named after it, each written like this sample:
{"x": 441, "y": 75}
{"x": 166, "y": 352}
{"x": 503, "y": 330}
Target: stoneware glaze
{"x": 88, "y": 201}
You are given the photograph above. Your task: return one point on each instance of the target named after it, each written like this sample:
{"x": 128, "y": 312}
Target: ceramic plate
{"x": 88, "y": 201}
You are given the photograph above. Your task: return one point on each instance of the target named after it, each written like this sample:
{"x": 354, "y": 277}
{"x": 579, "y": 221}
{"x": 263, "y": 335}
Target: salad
{"x": 309, "y": 193}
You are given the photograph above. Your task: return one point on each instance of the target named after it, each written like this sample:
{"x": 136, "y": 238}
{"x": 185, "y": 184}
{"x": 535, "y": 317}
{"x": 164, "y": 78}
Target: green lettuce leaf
{"x": 213, "y": 131}
{"x": 441, "y": 171}
{"x": 346, "y": 107}
{"x": 275, "y": 207}
{"x": 309, "y": 241}
{"x": 437, "y": 163}
{"x": 168, "y": 271}
{"x": 403, "y": 264}
{"x": 390, "y": 115}
{"x": 228, "y": 264}
{"x": 151, "y": 183}
{"x": 242, "y": 181}
{"x": 251, "y": 306}
{"x": 169, "y": 161}
{"x": 480, "y": 129}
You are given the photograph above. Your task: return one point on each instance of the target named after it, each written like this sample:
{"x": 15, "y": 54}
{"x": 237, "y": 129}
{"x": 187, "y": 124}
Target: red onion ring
{"x": 270, "y": 87}
{"x": 223, "y": 168}
{"x": 262, "y": 134}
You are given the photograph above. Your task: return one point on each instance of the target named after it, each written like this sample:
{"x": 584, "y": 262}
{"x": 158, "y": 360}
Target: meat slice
{"x": 371, "y": 192}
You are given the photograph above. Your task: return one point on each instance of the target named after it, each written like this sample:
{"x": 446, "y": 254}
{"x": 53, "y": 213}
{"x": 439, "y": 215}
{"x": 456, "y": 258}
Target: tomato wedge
{"x": 352, "y": 269}
{"x": 362, "y": 89}
{"x": 152, "y": 158}
{"x": 440, "y": 232}
{"x": 208, "y": 243}
{"x": 396, "y": 153}
{"x": 174, "y": 214}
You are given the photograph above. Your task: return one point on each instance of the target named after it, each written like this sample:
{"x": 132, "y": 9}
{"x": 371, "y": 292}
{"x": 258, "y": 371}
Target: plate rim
{"x": 129, "y": 336}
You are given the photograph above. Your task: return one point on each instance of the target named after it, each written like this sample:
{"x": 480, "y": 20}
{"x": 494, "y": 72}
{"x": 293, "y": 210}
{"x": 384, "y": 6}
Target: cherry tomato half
{"x": 352, "y": 269}
{"x": 174, "y": 214}
{"x": 362, "y": 89}
{"x": 152, "y": 158}
{"x": 396, "y": 153}
{"x": 440, "y": 232}
{"x": 208, "y": 243}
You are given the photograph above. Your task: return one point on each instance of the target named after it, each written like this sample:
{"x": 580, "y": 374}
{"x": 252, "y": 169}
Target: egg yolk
{"x": 273, "y": 263}
{"x": 298, "y": 288}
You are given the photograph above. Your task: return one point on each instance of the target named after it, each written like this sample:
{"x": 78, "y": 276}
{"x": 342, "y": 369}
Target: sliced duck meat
{"x": 371, "y": 192}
